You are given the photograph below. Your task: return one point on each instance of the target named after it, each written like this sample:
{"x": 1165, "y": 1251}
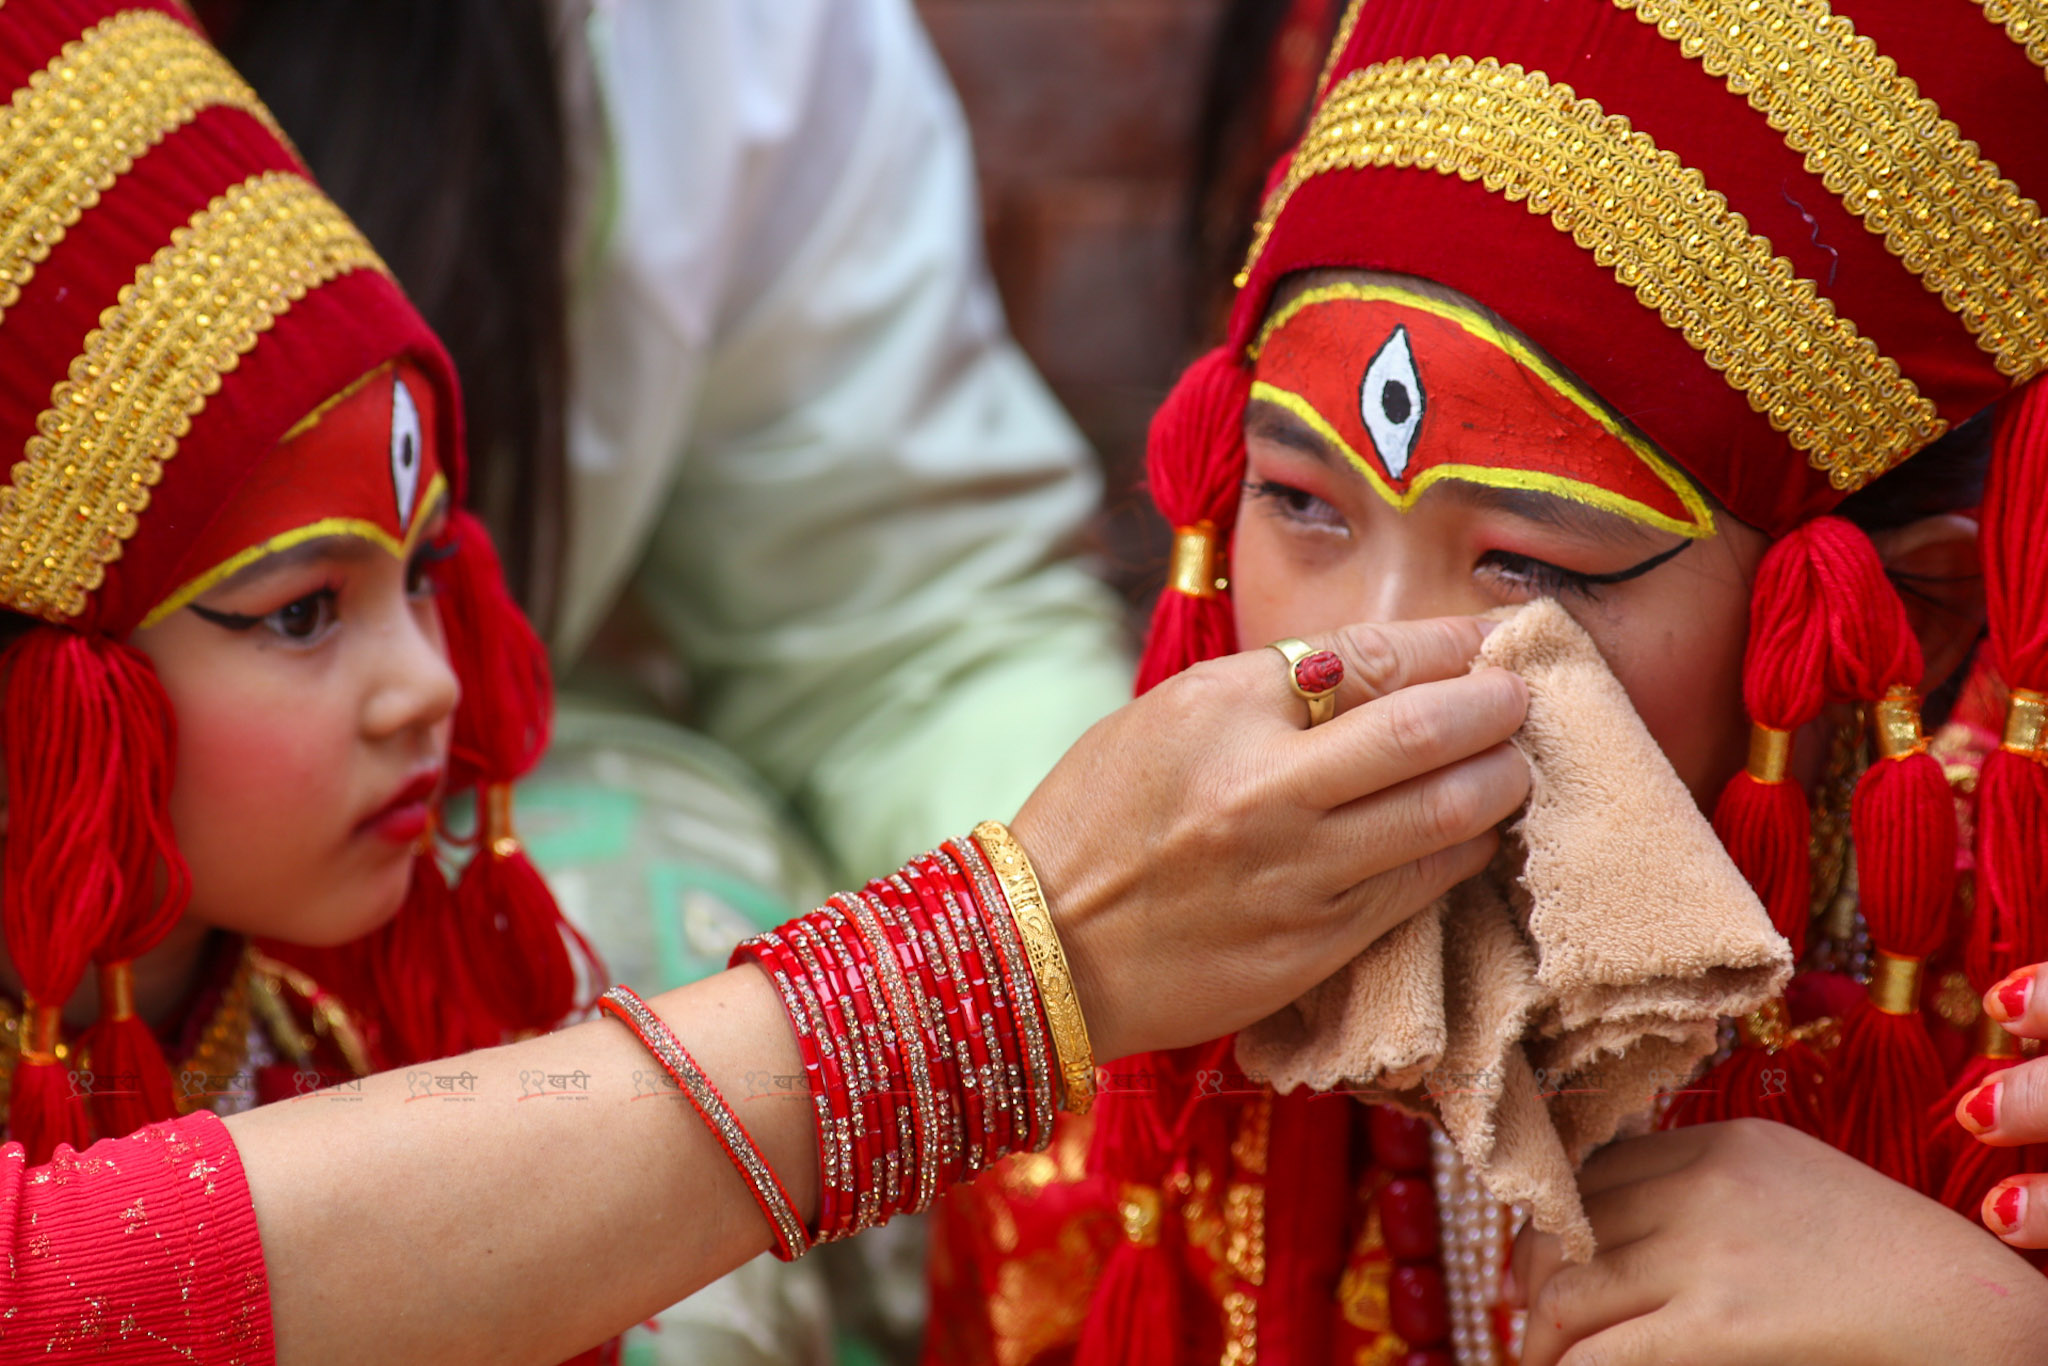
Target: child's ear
{"x": 1936, "y": 565}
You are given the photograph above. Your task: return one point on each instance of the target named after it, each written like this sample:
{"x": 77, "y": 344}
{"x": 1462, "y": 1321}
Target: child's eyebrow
{"x": 1282, "y": 428}
{"x": 1547, "y": 509}
{"x": 347, "y": 549}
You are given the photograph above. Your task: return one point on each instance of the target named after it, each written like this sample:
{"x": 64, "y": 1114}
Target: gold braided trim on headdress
{"x": 1648, "y": 217}
{"x": 113, "y": 93}
{"x": 1912, "y": 177}
{"x": 192, "y": 311}
{"x": 2024, "y": 21}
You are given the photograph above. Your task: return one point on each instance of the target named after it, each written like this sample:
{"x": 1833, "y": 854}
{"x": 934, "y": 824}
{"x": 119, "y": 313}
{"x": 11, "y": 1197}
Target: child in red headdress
{"x": 1643, "y": 305}
{"x": 253, "y": 643}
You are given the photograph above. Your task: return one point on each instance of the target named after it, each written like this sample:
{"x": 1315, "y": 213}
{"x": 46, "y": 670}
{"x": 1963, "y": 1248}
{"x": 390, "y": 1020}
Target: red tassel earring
{"x": 1904, "y": 830}
{"x": 2009, "y": 928}
{"x": 89, "y": 835}
{"x": 527, "y": 956}
{"x": 1194, "y": 462}
{"x": 1762, "y": 820}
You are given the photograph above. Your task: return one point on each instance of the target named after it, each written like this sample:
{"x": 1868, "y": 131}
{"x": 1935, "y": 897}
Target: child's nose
{"x": 417, "y": 687}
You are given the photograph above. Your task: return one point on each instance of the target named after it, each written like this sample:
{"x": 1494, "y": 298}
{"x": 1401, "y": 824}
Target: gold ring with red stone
{"x": 1314, "y": 675}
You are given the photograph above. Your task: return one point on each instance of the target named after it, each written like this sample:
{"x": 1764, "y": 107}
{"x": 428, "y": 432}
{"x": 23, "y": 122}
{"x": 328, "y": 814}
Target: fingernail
{"x": 1486, "y": 628}
{"x": 1979, "y": 1110}
{"x": 1510, "y": 1288}
{"x": 2009, "y": 998}
{"x": 2004, "y": 1208}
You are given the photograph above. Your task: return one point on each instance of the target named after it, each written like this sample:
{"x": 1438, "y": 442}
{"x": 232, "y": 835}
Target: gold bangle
{"x": 2026, "y": 724}
{"x": 1048, "y": 962}
{"x": 1770, "y": 753}
{"x": 1898, "y": 724}
{"x": 1193, "y": 569}
{"x": 1895, "y": 984}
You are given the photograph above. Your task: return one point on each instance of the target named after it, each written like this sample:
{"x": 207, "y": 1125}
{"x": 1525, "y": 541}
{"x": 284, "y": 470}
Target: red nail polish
{"x": 2007, "y": 1208}
{"x": 2012, "y": 996}
{"x": 1980, "y": 1109}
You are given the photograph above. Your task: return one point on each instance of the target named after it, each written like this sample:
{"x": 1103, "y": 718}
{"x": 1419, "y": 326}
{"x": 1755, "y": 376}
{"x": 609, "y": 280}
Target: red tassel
{"x": 1194, "y": 462}
{"x": 1766, "y": 830}
{"x": 1785, "y": 1080}
{"x": 43, "y": 1110}
{"x": 1905, "y": 836}
{"x": 1135, "y": 1317}
{"x": 1135, "y": 1314}
{"x": 429, "y": 997}
{"x": 524, "y": 956}
{"x": 1761, "y": 816}
{"x": 537, "y": 987}
{"x": 131, "y": 1082}
{"x": 87, "y": 738}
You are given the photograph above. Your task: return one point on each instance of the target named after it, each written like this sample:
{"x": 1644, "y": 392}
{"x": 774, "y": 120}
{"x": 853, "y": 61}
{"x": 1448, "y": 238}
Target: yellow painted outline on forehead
{"x": 1489, "y": 331}
{"x": 437, "y": 489}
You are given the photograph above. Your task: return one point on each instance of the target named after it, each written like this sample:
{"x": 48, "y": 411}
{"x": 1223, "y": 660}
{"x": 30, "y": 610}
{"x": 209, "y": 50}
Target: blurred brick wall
{"x": 1083, "y": 114}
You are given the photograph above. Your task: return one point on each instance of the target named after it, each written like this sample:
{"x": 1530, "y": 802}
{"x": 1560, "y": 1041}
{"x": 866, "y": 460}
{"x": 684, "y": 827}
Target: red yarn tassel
{"x": 1769, "y": 1075}
{"x": 525, "y": 955}
{"x": 1761, "y": 817}
{"x": 87, "y": 738}
{"x": 44, "y": 1111}
{"x": 1905, "y": 835}
{"x": 537, "y": 987}
{"x": 426, "y": 983}
{"x": 1194, "y": 462}
{"x": 131, "y": 1081}
{"x": 1765, "y": 827}
{"x": 1135, "y": 1316}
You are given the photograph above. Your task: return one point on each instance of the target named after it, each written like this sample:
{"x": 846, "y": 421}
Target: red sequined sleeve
{"x": 138, "y": 1249}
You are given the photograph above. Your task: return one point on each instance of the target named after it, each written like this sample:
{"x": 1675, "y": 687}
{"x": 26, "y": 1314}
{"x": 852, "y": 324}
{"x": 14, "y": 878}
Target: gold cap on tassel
{"x": 1193, "y": 571}
{"x": 1895, "y": 984}
{"x": 1770, "y": 753}
{"x": 2026, "y": 725}
{"x": 1898, "y": 724}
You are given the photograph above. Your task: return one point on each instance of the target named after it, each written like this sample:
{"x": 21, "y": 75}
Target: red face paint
{"x": 363, "y": 464}
{"x": 1415, "y": 390}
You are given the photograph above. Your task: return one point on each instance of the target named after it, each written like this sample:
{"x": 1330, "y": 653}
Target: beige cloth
{"x": 1538, "y": 1010}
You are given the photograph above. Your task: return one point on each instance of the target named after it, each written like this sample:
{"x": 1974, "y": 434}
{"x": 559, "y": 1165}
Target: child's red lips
{"x": 406, "y": 816}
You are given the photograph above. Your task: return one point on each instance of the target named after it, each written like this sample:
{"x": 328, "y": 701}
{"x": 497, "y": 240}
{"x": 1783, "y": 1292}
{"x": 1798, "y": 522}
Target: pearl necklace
{"x": 1476, "y": 1232}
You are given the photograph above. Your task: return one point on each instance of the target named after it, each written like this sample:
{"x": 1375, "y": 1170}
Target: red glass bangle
{"x": 983, "y": 1127}
{"x": 1016, "y": 968}
{"x": 813, "y": 949}
{"x": 924, "y": 1108}
{"x": 841, "y": 1175}
{"x": 1000, "y": 1036}
{"x": 883, "y": 1064}
{"x": 625, "y": 1005}
{"x": 765, "y": 952}
{"x": 943, "y": 1018}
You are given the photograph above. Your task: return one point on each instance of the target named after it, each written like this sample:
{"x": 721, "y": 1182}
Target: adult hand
{"x": 1750, "y": 1242}
{"x": 1208, "y": 858}
{"x": 2012, "y": 1108}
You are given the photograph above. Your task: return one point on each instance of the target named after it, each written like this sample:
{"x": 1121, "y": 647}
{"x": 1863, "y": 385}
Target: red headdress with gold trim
{"x": 1793, "y": 242}
{"x": 177, "y": 298}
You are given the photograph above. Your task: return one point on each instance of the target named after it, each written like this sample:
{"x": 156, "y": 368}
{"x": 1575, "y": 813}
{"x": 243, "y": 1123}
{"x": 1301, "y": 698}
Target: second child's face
{"x": 314, "y": 702}
{"x": 1323, "y": 538}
